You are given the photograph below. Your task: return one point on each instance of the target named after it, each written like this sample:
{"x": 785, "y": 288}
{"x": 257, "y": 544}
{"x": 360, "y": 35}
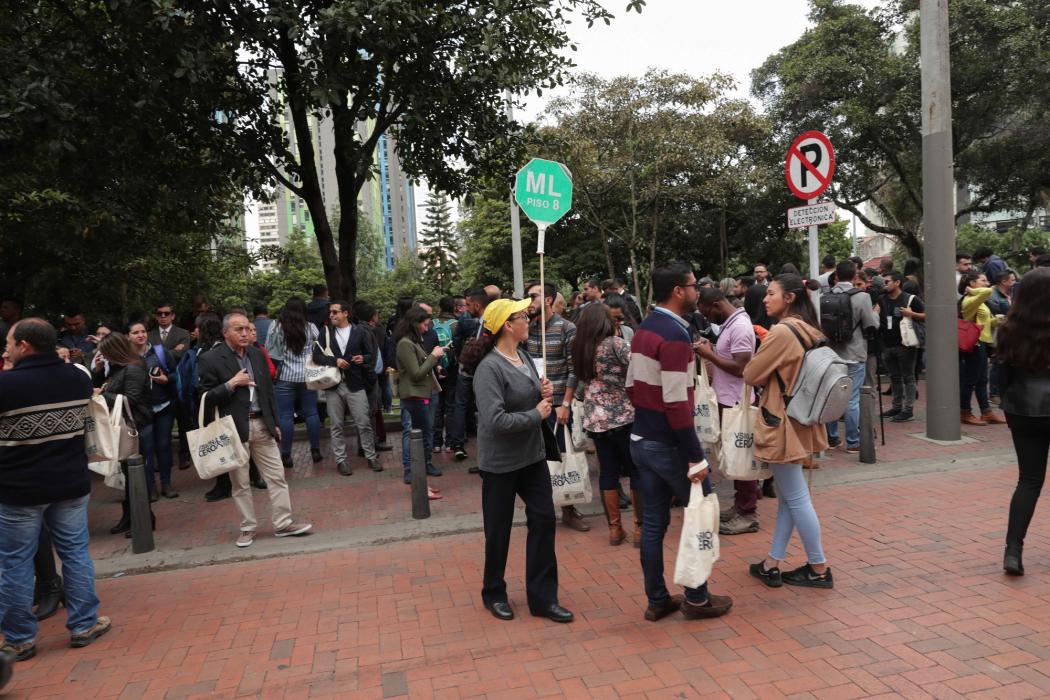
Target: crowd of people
{"x": 518, "y": 374}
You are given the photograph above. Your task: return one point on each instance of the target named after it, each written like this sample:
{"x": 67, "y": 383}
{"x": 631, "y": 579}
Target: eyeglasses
{"x": 164, "y": 313}
{"x": 518, "y": 317}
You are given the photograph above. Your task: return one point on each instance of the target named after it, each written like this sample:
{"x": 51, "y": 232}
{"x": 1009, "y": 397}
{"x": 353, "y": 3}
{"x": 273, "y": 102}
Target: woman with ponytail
{"x": 513, "y": 402}
{"x": 782, "y": 442}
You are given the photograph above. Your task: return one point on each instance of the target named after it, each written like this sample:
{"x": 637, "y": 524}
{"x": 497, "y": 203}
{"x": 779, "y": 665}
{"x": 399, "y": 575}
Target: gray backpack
{"x": 822, "y": 389}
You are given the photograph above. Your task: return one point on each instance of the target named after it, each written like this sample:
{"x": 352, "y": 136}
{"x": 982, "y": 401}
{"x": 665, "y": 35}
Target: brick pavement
{"x": 921, "y": 609}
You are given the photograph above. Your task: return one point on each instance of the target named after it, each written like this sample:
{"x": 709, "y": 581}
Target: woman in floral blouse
{"x": 600, "y": 359}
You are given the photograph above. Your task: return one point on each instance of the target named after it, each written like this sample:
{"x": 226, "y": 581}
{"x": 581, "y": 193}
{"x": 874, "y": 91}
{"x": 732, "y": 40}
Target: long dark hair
{"x": 1023, "y": 340}
{"x": 293, "y": 324}
{"x": 116, "y": 348}
{"x": 966, "y": 279}
{"x": 802, "y": 306}
{"x": 408, "y": 326}
{"x": 209, "y": 330}
{"x": 594, "y": 325}
{"x": 476, "y": 349}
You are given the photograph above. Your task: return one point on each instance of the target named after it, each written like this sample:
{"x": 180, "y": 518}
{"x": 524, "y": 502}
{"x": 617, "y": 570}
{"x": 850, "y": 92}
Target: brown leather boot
{"x": 570, "y": 517}
{"x": 992, "y": 418}
{"x": 970, "y": 419}
{"x": 636, "y": 508}
{"x": 611, "y": 501}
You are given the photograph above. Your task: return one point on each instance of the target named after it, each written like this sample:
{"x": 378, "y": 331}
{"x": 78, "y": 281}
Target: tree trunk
{"x": 608, "y": 253}
{"x": 310, "y": 185}
{"x": 637, "y": 286}
{"x": 1018, "y": 241}
{"x": 723, "y": 244}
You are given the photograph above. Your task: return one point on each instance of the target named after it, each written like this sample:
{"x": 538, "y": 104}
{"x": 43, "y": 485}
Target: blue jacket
{"x": 43, "y": 406}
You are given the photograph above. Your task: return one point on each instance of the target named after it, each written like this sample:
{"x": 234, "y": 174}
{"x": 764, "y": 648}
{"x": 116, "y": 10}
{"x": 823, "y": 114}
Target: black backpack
{"x": 836, "y": 316}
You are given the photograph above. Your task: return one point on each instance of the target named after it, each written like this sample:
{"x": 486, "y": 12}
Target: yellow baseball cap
{"x": 497, "y": 313}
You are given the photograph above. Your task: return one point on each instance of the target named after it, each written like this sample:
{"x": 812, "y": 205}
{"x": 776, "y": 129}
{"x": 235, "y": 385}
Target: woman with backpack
{"x": 1023, "y": 347}
{"x": 973, "y": 365}
{"x": 780, "y": 440}
{"x": 290, "y": 344}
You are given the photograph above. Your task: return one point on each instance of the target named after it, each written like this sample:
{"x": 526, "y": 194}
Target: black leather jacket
{"x": 1024, "y": 393}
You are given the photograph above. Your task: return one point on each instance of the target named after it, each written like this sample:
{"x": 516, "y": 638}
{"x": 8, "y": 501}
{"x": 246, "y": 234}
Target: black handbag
{"x": 550, "y": 443}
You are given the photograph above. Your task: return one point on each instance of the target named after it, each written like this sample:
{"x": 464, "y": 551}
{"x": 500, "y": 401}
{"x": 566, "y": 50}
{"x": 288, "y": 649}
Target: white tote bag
{"x": 322, "y": 376}
{"x": 705, "y": 408}
{"x": 216, "y": 448}
{"x": 101, "y": 435}
{"x": 909, "y": 338}
{"x": 698, "y": 545}
{"x": 570, "y": 478}
{"x": 737, "y": 458}
{"x": 579, "y": 436}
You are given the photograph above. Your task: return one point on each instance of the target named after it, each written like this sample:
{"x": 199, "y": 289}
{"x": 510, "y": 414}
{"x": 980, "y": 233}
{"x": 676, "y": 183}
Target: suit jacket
{"x": 176, "y": 336}
{"x": 217, "y": 366}
{"x": 357, "y": 377}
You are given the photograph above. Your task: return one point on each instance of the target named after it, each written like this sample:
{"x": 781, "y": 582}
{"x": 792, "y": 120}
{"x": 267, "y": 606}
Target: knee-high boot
{"x": 611, "y": 502}
{"x": 636, "y": 507}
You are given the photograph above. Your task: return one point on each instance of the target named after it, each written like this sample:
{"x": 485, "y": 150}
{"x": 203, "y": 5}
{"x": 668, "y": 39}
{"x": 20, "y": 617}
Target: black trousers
{"x": 533, "y": 484}
{"x": 1032, "y": 443}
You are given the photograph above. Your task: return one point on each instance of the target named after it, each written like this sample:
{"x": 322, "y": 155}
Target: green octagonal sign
{"x": 543, "y": 190}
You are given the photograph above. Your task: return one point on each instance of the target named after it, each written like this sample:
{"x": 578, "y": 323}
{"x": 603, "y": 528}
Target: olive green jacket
{"x": 415, "y": 371}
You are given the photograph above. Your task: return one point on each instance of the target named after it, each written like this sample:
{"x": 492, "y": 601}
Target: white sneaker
{"x": 246, "y": 539}
{"x": 293, "y": 530}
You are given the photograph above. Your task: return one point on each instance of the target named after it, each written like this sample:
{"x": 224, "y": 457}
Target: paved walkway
{"x": 920, "y": 608}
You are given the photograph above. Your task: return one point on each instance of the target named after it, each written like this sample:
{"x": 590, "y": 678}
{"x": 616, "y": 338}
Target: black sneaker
{"x": 903, "y": 417}
{"x": 461, "y": 454}
{"x": 890, "y": 413}
{"x": 806, "y": 576}
{"x": 770, "y": 577}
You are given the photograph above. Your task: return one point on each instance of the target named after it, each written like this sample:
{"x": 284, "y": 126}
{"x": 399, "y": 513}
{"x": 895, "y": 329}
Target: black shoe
{"x": 903, "y": 417}
{"x": 316, "y": 455}
{"x": 890, "y": 413}
{"x": 768, "y": 490}
{"x": 474, "y": 470}
{"x": 461, "y": 454}
{"x": 51, "y": 595}
{"x": 259, "y": 483}
{"x": 807, "y": 577}
{"x": 216, "y": 494}
{"x": 384, "y": 447}
{"x": 1012, "y": 561}
{"x": 501, "y": 611}
{"x": 123, "y": 525}
{"x": 374, "y": 465}
{"x": 770, "y": 577}
{"x": 715, "y": 606}
{"x": 286, "y": 461}
{"x": 554, "y": 612}
{"x": 344, "y": 468}
{"x": 658, "y": 612}
{"x": 433, "y": 471}
{"x": 407, "y": 478}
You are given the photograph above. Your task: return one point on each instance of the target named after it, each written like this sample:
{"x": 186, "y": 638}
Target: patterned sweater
{"x": 560, "y": 334}
{"x": 43, "y": 406}
{"x": 661, "y": 380}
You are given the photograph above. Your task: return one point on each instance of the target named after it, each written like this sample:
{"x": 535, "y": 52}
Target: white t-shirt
{"x": 342, "y": 338}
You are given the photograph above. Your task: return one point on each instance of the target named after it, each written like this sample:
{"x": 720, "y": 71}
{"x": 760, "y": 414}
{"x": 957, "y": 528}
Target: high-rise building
{"x": 387, "y": 200}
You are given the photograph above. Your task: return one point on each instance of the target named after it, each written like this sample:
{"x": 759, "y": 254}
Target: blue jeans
{"x": 856, "y": 373}
{"x": 292, "y": 397}
{"x": 155, "y": 446}
{"x": 464, "y": 402}
{"x": 662, "y": 472}
{"x": 795, "y": 510}
{"x": 19, "y": 535}
{"x": 416, "y": 414}
{"x": 386, "y": 394}
{"x": 973, "y": 378}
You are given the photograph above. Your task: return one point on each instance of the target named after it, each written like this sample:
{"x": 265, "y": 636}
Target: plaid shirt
{"x": 560, "y": 334}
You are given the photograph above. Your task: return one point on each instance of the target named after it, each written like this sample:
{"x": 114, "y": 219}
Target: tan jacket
{"x": 788, "y": 442}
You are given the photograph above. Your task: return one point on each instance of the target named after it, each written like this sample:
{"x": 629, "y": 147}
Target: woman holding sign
{"x": 781, "y": 441}
{"x": 513, "y": 402}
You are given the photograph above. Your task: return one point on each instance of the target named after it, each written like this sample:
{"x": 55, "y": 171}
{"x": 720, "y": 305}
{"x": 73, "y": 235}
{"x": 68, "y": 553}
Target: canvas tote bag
{"x": 216, "y": 448}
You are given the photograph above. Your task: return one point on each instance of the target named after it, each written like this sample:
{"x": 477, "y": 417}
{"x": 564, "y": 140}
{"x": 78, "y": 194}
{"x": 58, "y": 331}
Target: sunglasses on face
{"x": 164, "y": 313}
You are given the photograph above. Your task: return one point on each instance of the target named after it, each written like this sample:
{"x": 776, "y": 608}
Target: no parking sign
{"x": 810, "y": 165}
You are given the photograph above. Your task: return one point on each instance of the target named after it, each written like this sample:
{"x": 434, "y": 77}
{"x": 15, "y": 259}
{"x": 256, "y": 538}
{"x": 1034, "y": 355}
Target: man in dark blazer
{"x": 349, "y": 347}
{"x": 174, "y": 339}
{"x": 235, "y": 378}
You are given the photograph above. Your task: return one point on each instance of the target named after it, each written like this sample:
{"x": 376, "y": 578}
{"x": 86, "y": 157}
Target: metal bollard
{"x": 138, "y": 502}
{"x": 867, "y": 425}
{"x": 420, "y": 499}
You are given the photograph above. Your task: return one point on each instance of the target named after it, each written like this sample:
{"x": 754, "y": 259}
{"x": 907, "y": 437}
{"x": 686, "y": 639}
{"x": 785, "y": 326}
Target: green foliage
{"x": 406, "y": 279}
{"x": 440, "y": 265}
{"x": 973, "y": 236}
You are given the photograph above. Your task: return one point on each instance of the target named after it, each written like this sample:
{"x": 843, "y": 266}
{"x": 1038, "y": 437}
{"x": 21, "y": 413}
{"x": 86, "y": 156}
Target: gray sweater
{"x": 509, "y": 432}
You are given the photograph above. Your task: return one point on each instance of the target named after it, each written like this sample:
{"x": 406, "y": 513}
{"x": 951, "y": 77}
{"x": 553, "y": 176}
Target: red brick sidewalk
{"x": 920, "y": 609}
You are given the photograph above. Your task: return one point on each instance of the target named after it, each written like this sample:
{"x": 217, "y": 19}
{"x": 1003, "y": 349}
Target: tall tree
{"x": 440, "y": 243}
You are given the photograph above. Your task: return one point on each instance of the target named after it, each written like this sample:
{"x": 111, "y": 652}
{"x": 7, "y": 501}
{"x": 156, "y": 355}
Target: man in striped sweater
{"x": 664, "y": 445}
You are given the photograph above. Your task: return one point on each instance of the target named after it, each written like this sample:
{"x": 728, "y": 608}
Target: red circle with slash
{"x": 816, "y": 158}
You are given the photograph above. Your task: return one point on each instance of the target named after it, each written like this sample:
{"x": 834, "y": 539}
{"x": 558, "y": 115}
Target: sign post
{"x": 808, "y": 169}
{"x": 543, "y": 190}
